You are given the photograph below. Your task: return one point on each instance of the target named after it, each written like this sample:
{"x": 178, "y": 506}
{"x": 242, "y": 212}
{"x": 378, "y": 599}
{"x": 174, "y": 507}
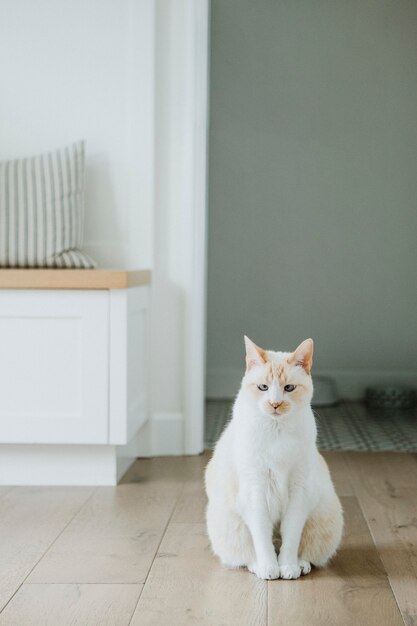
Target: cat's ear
{"x": 303, "y": 355}
{"x": 254, "y": 354}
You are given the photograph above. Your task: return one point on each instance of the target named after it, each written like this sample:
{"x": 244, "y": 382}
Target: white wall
{"x": 178, "y": 294}
{"x": 129, "y": 76}
{"x": 313, "y": 186}
{"x": 84, "y": 69}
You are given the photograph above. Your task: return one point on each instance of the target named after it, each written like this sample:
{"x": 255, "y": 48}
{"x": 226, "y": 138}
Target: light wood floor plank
{"x": 191, "y": 505}
{"x": 187, "y": 585}
{"x": 4, "y": 490}
{"x": 30, "y": 520}
{"x": 352, "y": 591}
{"x": 340, "y": 472}
{"x": 386, "y": 488}
{"x": 396, "y": 469}
{"x": 71, "y": 605}
{"x": 168, "y": 469}
{"x": 114, "y": 538}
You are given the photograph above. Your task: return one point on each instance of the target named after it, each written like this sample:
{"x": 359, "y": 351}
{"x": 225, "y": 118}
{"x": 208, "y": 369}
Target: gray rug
{"x": 345, "y": 426}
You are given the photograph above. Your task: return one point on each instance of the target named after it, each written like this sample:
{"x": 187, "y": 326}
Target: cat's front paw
{"x": 289, "y": 572}
{"x": 305, "y": 566}
{"x": 265, "y": 571}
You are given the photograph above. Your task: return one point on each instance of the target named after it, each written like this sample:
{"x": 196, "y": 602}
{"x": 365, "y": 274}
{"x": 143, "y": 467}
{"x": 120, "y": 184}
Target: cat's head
{"x": 278, "y": 383}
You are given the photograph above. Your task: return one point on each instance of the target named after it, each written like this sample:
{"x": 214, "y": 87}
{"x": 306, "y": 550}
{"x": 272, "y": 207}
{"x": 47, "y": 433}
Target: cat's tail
{"x": 322, "y": 532}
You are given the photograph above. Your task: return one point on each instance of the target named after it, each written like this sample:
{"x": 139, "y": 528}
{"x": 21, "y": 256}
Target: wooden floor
{"x": 138, "y": 553}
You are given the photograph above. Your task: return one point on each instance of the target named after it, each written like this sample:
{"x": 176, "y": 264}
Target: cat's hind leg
{"x": 322, "y": 532}
{"x": 229, "y": 536}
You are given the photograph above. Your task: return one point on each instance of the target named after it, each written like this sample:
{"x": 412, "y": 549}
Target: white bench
{"x": 73, "y": 374}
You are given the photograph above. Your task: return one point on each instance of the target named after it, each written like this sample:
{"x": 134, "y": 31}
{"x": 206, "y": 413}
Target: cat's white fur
{"x": 267, "y": 476}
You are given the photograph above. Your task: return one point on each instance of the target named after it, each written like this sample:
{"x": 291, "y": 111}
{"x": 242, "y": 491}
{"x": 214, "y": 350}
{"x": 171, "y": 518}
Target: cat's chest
{"x": 276, "y": 492}
{"x": 280, "y": 455}
{"x": 279, "y": 468}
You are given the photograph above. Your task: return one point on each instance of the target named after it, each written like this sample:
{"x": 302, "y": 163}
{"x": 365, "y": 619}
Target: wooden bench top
{"x": 72, "y": 279}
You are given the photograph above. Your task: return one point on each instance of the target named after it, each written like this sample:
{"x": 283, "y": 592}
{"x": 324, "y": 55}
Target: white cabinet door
{"x": 54, "y": 363}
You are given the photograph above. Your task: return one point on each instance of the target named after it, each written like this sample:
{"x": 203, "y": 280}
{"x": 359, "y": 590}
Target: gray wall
{"x": 313, "y": 186}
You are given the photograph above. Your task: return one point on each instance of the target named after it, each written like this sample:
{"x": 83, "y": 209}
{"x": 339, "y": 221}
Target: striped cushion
{"x": 42, "y": 210}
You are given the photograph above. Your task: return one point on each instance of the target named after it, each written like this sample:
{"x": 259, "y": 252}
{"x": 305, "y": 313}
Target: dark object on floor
{"x": 390, "y": 397}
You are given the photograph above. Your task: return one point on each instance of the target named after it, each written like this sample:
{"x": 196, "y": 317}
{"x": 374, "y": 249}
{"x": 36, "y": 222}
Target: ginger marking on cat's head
{"x": 278, "y": 382}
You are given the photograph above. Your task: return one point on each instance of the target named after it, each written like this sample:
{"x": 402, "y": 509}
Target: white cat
{"x": 267, "y": 475}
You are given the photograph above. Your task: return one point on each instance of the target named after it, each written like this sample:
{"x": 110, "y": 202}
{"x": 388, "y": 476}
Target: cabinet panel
{"x": 54, "y": 366}
{"x": 129, "y": 363}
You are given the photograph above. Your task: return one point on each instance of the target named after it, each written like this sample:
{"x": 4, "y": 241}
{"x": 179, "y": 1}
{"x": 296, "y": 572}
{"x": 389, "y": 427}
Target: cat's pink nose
{"x": 275, "y": 405}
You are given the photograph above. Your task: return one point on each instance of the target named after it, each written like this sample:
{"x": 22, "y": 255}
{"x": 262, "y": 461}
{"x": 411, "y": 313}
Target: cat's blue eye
{"x": 289, "y": 388}
{"x": 263, "y": 387}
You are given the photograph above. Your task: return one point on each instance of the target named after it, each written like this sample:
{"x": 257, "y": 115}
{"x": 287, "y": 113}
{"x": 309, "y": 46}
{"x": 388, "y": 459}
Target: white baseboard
{"x": 58, "y": 464}
{"x": 167, "y": 434}
{"x": 98, "y": 465}
{"x": 140, "y": 444}
{"x": 351, "y": 384}
{"x": 162, "y": 435}
{"x": 39, "y": 464}
{"x": 50, "y": 464}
